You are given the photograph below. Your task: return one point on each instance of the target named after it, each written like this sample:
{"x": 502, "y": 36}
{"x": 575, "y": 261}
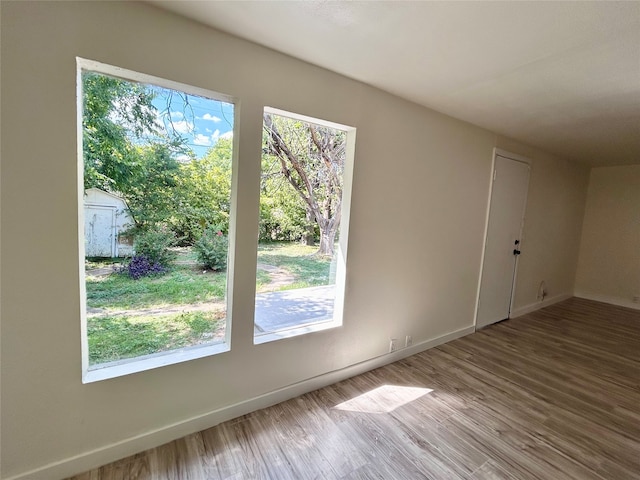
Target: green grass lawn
{"x": 120, "y": 337}
{"x": 183, "y": 284}
{"x": 119, "y": 327}
{"x": 299, "y": 260}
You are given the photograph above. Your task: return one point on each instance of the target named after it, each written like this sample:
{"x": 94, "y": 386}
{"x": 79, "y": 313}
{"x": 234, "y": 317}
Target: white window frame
{"x": 340, "y": 285}
{"x": 147, "y": 362}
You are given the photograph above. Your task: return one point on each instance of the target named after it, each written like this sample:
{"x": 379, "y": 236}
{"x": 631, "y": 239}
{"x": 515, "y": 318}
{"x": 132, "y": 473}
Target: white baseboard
{"x": 110, "y": 453}
{"x": 620, "y": 302}
{"x": 518, "y": 312}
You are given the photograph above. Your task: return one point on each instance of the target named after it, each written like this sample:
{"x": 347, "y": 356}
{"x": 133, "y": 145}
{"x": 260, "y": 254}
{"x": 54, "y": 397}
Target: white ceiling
{"x": 562, "y": 76}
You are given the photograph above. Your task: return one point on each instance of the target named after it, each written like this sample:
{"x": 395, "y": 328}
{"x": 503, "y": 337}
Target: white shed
{"x": 106, "y": 216}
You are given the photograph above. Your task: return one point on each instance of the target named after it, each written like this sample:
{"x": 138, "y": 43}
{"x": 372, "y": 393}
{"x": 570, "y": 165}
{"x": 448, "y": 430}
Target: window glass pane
{"x": 301, "y": 199}
{"x": 157, "y": 189}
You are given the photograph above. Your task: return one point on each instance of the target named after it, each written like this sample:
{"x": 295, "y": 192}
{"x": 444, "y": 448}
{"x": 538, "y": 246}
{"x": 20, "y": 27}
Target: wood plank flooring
{"x": 551, "y": 395}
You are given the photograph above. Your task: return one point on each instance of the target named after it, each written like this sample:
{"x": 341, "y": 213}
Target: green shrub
{"x": 211, "y": 249}
{"x": 154, "y": 245}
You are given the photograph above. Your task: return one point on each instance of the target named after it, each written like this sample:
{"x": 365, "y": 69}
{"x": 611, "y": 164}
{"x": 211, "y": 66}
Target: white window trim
{"x": 120, "y": 368}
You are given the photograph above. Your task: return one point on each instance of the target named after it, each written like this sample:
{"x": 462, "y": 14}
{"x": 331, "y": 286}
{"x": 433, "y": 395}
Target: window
{"x": 304, "y": 206}
{"x": 155, "y": 196}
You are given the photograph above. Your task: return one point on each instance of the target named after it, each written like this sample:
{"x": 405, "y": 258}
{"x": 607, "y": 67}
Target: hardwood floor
{"x": 551, "y": 395}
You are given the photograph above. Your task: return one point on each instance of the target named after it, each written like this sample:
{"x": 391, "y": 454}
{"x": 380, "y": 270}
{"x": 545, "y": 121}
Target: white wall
{"x": 609, "y": 265}
{"x": 420, "y": 192}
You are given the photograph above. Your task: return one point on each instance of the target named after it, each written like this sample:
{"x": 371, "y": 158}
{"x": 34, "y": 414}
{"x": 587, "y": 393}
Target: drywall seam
{"x": 95, "y": 458}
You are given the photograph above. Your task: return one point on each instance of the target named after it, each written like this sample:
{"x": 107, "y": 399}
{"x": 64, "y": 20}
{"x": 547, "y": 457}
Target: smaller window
{"x": 304, "y": 203}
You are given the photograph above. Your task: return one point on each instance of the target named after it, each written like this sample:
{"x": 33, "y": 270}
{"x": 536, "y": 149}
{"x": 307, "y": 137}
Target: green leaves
{"x": 129, "y": 151}
{"x": 203, "y": 193}
{"x": 154, "y": 244}
{"x": 211, "y": 249}
{"x": 115, "y": 114}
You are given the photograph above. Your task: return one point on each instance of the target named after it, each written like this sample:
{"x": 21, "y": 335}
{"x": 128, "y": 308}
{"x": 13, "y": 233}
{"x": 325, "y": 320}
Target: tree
{"x": 282, "y": 210}
{"x": 150, "y": 190}
{"x": 127, "y": 151}
{"x": 114, "y": 113}
{"x": 132, "y": 149}
{"x": 312, "y": 161}
{"x": 204, "y": 193}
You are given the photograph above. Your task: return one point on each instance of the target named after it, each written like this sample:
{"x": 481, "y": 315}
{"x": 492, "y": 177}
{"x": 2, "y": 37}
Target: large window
{"x": 155, "y": 207}
{"x": 304, "y": 205}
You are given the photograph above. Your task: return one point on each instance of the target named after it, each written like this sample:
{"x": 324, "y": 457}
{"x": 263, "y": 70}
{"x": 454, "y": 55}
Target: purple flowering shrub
{"x": 140, "y": 266}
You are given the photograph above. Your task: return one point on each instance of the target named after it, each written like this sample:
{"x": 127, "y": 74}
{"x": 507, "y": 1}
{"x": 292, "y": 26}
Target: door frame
{"x": 518, "y": 158}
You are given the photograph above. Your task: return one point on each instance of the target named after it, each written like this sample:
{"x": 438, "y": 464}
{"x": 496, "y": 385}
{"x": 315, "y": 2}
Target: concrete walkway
{"x": 293, "y": 308}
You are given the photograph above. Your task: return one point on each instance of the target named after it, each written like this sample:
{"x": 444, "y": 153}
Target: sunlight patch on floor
{"x": 383, "y": 399}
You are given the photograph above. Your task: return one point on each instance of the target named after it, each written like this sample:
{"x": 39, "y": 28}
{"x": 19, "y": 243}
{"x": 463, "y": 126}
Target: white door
{"x": 99, "y": 231}
{"x": 502, "y": 246}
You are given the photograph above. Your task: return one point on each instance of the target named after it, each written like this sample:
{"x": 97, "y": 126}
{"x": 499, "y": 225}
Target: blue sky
{"x": 202, "y": 121}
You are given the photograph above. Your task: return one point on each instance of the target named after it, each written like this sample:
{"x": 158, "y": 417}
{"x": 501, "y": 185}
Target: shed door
{"x": 99, "y": 227}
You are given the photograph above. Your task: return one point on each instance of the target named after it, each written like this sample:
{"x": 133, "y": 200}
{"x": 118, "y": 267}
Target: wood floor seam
{"x": 551, "y": 395}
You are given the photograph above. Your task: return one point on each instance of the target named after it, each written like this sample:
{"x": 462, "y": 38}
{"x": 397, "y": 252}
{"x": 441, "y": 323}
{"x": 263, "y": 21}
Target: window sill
{"x": 120, "y": 368}
{"x": 296, "y": 331}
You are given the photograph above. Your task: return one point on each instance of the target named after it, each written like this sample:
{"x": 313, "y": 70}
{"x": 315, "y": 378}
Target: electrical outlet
{"x": 408, "y": 341}
{"x": 636, "y": 299}
{"x": 393, "y": 345}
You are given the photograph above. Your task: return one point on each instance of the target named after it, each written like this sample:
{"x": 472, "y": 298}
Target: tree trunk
{"x": 327, "y": 239}
{"x": 309, "y": 236}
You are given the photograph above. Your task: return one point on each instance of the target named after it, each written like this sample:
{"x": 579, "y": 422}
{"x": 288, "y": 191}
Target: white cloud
{"x": 176, "y": 115}
{"x": 203, "y": 140}
{"x": 183, "y": 158}
{"x": 208, "y": 116}
{"x": 208, "y": 130}
{"x": 215, "y": 136}
{"x": 183, "y": 126}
